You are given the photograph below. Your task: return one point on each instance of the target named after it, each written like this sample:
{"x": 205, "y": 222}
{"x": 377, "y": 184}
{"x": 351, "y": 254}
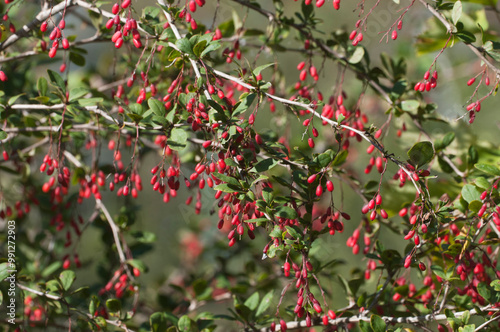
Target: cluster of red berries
{"x": 186, "y": 15}
{"x": 33, "y": 310}
{"x": 130, "y": 26}
{"x": 120, "y": 283}
{"x": 55, "y": 36}
{"x": 429, "y": 82}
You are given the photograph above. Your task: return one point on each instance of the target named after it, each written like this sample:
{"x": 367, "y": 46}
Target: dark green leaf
{"x": 244, "y": 104}
{"x": 158, "y": 322}
{"x": 185, "y": 46}
{"x": 113, "y": 305}
{"x": 286, "y": 212}
{"x": 227, "y": 179}
{"x": 57, "y": 80}
{"x": 466, "y": 36}
{"x": 257, "y": 70}
{"x": 156, "y": 106}
{"x": 264, "y": 304}
{"x": 264, "y": 165}
{"x": 67, "y": 277}
{"x": 377, "y": 324}
{"x": 77, "y": 59}
{"x": 421, "y": 153}
{"x": 42, "y": 86}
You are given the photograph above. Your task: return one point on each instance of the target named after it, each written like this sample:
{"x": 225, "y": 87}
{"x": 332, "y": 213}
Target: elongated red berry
{"x": 319, "y": 190}
{"x": 312, "y": 178}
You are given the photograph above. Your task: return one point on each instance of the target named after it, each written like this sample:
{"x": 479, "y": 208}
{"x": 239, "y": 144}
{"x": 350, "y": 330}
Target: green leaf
{"x": 265, "y": 303}
{"x": 186, "y": 324}
{"x": 57, "y": 80}
{"x": 377, "y": 324}
{"x": 483, "y": 183}
{"x": 228, "y": 179}
{"x": 466, "y": 36}
{"x": 4, "y": 271}
{"x": 93, "y": 305}
{"x": 42, "y": 86}
{"x": 227, "y": 188}
{"x": 264, "y": 165}
{"x": 156, "y": 106}
{"x": 485, "y": 291}
{"x": 445, "y": 142}
{"x": 3, "y": 134}
{"x": 340, "y": 158}
{"x": 276, "y": 232}
{"x": 467, "y": 328}
{"x": 438, "y": 270}
{"x": 410, "y": 105}
{"x": 90, "y": 101}
{"x": 67, "y": 277}
{"x": 253, "y": 301}
{"x": 77, "y": 93}
{"x": 178, "y": 139}
{"x": 294, "y": 232}
{"x": 257, "y": 70}
{"x": 421, "y": 153}
{"x": 185, "y": 46}
{"x": 199, "y": 47}
{"x": 158, "y": 322}
{"x": 365, "y": 326}
{"x": 456, "y": 12}
{"x": 286, "y": 212}
{"x": 495, "y": 284}
{"x": 488, "y": 169}
{"x": 357, "y": 56}
{"x": 210, "y": 48}
{"x": 113, "y": 305}
{"x": 77, "y": 59}
{"x": 244, "y": 104}
{"x": 138, "y": 264}
{"x": 471, "y": 193}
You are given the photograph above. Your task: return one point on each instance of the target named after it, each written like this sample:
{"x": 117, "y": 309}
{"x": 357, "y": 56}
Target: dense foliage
{"x": 297, "y": 128}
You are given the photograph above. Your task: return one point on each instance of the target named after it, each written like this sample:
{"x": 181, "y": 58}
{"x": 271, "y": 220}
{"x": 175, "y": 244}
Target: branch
{"x": 61, "y": 299}
{"x": 102, "y": 207}
{"x": 387, "y": 319}
{"x": 325, "y": 48}
{"x": 42, "y": 16}
{"x": 334, "y": 124}
{"x": 194, "y": 65}
{"x": 477, "y": 51}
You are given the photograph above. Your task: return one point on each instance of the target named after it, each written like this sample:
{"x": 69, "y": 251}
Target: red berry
{"x": 43, "y": 27}
{"x": 471, "y": 81}
{"x": 126, "y": 3}
{"x": 310, "y": 141}
{"x": 192, "y": 6}
{"x": 329, "y": 186}
{"x": 311, "y": 179}
{"x": 5, "y": 155}
{"x": 319, "y": 190}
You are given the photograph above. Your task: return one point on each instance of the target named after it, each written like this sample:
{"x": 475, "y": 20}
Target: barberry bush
{"x": 200, "y": 165}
